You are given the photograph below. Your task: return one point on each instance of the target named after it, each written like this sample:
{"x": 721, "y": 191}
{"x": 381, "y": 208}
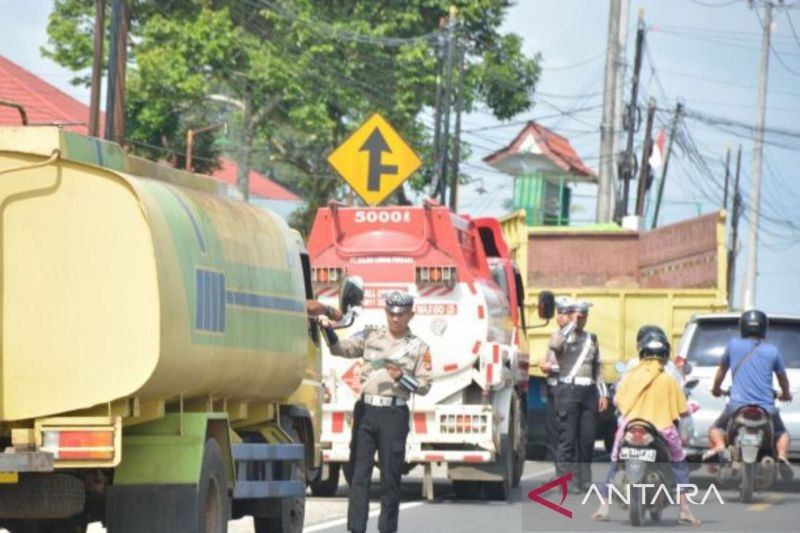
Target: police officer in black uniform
{"x": 397, "y": 363}
{"x": 579, "y": 395}
{"x": 550, "y": 367}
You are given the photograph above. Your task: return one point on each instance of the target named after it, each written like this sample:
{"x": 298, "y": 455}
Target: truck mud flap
{"x": 44, "y": 496}
{"x": 152, "y": 508}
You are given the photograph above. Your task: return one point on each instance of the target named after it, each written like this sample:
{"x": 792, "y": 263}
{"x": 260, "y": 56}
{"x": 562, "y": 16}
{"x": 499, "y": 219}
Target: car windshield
{"x": 711, "y": 337}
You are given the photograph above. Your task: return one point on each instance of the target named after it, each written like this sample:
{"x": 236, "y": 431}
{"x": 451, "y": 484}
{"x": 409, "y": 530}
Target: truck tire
{"x": 40, "y": 496}
{"x": 327, "y": 487}
{"x": 519, "y": 436}
{"x": 501, "y": 490}
{"x": 291, "y": 511}
{"x": 214, "y": 505}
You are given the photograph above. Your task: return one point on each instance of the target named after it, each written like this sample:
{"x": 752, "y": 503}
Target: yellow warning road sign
{"x": 374, "y": 160}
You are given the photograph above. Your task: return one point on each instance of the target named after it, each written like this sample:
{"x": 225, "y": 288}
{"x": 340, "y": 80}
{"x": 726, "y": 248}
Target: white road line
{"x": 408, "y": 505}
{"x": 532, "y": 475}
{"x": 343, "y": 521}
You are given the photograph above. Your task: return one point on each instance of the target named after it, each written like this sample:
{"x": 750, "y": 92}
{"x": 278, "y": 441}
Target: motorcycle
{"x": 750, "y": 456}
{"x": 645, "y": 459}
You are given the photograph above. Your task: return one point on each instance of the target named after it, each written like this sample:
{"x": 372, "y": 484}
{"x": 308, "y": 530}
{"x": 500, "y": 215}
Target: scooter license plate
{"x": 748, "y": 439}
{"x": 641, "y": 454}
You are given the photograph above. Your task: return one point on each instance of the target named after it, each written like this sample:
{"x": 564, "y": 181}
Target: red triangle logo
{"x": 563, "y": 482}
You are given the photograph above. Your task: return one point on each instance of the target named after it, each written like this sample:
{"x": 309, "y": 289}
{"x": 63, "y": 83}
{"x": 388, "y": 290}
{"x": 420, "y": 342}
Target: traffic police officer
{"x": 550, "y": 367}
{"x": 396, "y": 364}
{"x": 579, "y": 395}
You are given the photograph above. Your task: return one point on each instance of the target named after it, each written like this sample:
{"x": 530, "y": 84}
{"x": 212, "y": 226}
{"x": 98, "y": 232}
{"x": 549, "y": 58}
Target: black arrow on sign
{"x": 376, "y": 145}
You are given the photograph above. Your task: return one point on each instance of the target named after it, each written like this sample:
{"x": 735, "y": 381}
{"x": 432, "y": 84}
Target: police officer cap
{"x": 563, "y": 304}
{"x": 399, "y": 302}
{"x": 581, "y": 306}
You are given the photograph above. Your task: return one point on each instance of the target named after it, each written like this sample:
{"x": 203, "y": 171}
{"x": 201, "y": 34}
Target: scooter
{"x": 751, "y": 451}
{"x": 645, "y": 460}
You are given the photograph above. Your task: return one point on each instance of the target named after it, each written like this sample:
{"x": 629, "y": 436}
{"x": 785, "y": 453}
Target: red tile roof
{"x": 44, "y": 103}
{"x": 260, "y": 185}
{"x": 553, "y": 146}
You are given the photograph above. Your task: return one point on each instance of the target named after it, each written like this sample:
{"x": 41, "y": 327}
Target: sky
{"x": 704, "y": 53}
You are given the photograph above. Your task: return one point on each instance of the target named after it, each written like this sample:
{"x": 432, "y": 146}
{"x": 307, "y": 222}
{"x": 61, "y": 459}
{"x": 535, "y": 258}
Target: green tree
{"x": 294, "y": 78}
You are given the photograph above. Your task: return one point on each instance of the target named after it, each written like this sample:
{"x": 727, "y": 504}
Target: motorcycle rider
{"x": 648, "y": 392}
{"x": 753, "y": 361}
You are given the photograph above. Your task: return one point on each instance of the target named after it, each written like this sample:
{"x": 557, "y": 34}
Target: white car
{"x": 703, "y": 344}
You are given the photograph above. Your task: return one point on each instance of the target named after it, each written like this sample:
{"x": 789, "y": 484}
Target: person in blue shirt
{"x": 753, "y": 361}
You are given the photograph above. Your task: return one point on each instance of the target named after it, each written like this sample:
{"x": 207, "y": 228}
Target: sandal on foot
{"x": 688, "y": 520}
{"x": 785, "y": 469}
{"x": 601, "y": 514}
{"x": 712, "y": 454}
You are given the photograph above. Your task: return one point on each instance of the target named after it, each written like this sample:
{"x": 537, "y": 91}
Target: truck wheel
{"x": 327, "y": 487}
{"x": 467, "y": 490}
{"x": 291, "y": 511}
{"x": 519, "y": 438}
{"x": 501, "y": 490}
{"x": 214, "y": 505}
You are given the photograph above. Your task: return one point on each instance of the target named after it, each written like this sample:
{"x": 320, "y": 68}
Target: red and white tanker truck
{"x": 469, "y": 309}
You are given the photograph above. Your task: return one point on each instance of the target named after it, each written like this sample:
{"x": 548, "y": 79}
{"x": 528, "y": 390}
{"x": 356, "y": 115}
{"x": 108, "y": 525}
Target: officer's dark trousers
{"x": 576, "y": 409}
{"x": 551, "y": 425}
{"x": 383, "y": 429}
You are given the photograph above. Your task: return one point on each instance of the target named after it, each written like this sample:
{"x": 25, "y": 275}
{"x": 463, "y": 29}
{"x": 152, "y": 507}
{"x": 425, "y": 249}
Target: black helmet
{"x": 654, "y": 344}
{"x": 644, "y": 330}
{"x": 753, "y": 323}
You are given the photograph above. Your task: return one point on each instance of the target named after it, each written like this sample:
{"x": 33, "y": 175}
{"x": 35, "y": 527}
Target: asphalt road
{"x": 772, "y": 510}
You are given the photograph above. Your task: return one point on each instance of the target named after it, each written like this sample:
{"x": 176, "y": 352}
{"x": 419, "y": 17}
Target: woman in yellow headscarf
{"x": 649, "y": 393}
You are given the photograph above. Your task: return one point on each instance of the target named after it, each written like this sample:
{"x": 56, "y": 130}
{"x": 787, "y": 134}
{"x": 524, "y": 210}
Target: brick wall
{"x": 590, "y": 259}
{"x": 682, "y": 255}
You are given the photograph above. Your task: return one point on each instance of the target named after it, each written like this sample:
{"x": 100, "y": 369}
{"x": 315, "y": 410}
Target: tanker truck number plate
{"x": 641, "y": 454}
{"x": 384, "y": 217}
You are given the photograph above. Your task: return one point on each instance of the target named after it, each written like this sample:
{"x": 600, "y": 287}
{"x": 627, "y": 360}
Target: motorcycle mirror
{"x": 687, "y": 368}
{"x": 692, "y": 383}
{"x": 546, "y": 305}
{"x": 351, "y": 293}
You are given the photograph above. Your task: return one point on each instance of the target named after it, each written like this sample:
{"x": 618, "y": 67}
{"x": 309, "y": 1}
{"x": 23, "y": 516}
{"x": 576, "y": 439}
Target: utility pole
{"x": 736, "y": 212}
{"x": 673, "y": 128}
{"x": 97, "y": 67}
{"x": 605, "y": 209}
{"x": 727, "y": 177}
{"x": 615, "y": 194}
{"x": 749, "y": 289}
{"x": 437, "y": 112}
{"x": 190, "y": 133}
{"x": 644, "y": 174}
{"x": 631, "y": 115}
{"x": 117, "y": 57}
{"x": 448, "y": 93}
{"x": 462, "y": 52}
{"x": 245, "y": 158}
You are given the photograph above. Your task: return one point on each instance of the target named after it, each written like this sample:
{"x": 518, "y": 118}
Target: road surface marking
{"x": 761, "y": 506}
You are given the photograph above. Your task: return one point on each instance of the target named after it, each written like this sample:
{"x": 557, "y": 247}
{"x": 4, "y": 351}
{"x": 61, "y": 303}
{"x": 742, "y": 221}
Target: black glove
{"x": 330, "y": 336}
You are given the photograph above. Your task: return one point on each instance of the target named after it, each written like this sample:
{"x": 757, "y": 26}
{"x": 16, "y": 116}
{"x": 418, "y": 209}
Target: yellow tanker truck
{"x": 158, "y": 370}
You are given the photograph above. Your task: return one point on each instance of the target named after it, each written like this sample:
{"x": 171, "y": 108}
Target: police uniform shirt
{"x": 377, "y": 345}
{"x": 567, "y": 350}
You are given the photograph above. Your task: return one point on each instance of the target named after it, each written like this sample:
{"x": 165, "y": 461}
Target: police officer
{"x": 579, "y": 395}
{"x": 397, "y": 363}
{"x": 550, "y": 367}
